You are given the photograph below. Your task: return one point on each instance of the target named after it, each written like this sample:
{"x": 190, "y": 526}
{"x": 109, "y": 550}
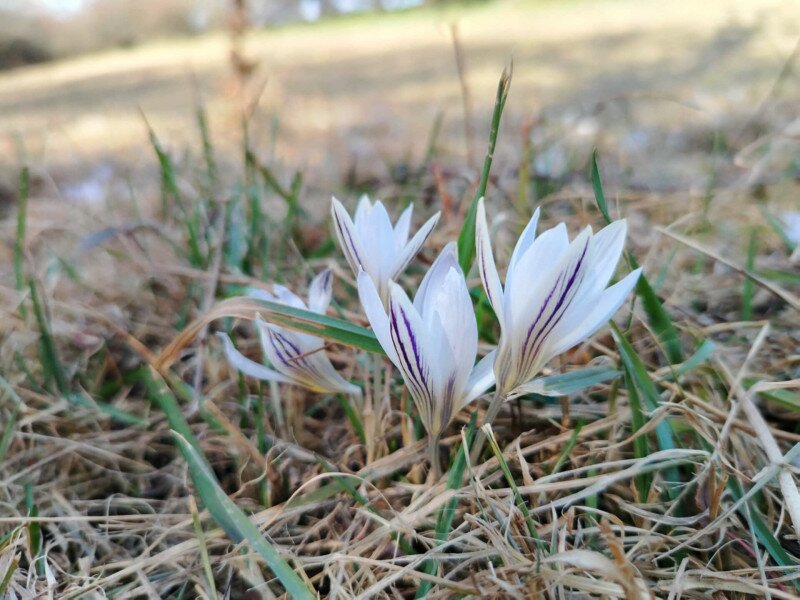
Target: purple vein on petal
{"x": 532, "y": 348}
{"x": 348, "y": 238}
{"x": 417, "y": 380}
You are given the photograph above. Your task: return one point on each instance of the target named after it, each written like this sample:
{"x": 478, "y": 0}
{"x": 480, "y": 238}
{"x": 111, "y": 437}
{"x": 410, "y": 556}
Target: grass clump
{"x": 656, "y": 460}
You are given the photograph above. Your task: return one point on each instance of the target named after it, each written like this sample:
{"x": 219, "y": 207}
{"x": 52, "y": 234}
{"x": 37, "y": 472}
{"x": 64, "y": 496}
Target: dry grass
{"x": 96, "y": 501}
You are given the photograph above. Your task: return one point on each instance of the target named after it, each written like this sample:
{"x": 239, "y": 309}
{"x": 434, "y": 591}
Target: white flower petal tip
{"x": 556, "y": 293}
{"x": 432, "y": 341}
{"x": 370, "y": 242}
{"x": 296, "y": 358}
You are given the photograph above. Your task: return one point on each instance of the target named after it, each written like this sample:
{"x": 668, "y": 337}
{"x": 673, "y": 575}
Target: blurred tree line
{"x": 34, "y": 31}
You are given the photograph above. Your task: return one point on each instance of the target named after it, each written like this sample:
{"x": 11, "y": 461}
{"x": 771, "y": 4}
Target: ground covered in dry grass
{"x": 673, "y": 478}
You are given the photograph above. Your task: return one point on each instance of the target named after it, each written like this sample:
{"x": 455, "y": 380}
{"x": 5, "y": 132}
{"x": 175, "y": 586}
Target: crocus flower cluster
{"x": 556, "y": 295}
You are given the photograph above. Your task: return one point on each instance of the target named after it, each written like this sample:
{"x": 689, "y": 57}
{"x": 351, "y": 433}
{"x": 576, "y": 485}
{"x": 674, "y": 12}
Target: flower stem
{"x": 433, "y": 456}
{"x": 480, "y": 437}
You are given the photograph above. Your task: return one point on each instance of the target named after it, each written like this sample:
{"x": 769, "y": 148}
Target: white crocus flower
{"x": 432, "y": 341}
{"x": 297, "y": 358}
{"x": 370, "y": 243}
{"x": 555, "y": 295}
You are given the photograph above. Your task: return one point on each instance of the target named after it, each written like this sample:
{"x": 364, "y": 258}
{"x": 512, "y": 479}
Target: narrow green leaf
{"x": 523, "y": 507}
{"x": 748, "y": 287}
{"x": 659, "y": 319}
{"x": 107, "y": 409}
{"x": 763, "y": 532}
{"x": 784, "y": 398}
{"x": 640, "y": 449}
{"x": 353, "y": 417}
{"x": 565, "y": 384}
{"x": 8, "y": 430}
{"x": 35, "y": 537}
{"x": 5, "y": 579}
{"x": 169, "y": 185}
{"x": 19, "y": 243}
{"x": 51, "y": 364}
{"x": 159, "y": 393}
{"x": 701, "y": 355}
{"x": 466, "y": 239}
{"x": 330, "y": 328}
{"x": 597, "y": 185}
{"x": 235, "y": 523}
{"x": 573, "y": 439}
{"x": 208, "y": 147}
{"x": 639, "y": 382}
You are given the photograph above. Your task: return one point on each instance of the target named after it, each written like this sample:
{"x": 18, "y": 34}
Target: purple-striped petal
{"x": 348, "y": 239}
{"x": 596, "y": 314}
{"x": 320, "y": 292}
{"x": 558, "y": 294}
{"x": 410, "y": 342}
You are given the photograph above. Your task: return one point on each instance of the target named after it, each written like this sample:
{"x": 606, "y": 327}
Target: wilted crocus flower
{"x": 555, "y": 295}
{"x": 432, "y": 342}
{"x": 296, "y": 357}
{"x": 371, "y": 244}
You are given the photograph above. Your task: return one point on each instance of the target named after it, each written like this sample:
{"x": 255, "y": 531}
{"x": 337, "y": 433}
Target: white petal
{"x": 525, "y": 240}
{"x": 597, "y": 314}
{"x": 259, "y": 294}
{"x": 363, "y": 209}
{"x": 480, "y": 379}
{"x": 454, "y": 307}
{"x": 376, "y": 236}
{"x": 532, "y": 270}
{"x": 286, "y": 296}
{"x": 401, "y": 228}
{"x": 434, "y": 278}
{"x": 535, "y": 322}
{"x": 606, "y": 248}
{"x": 325, "y": 377}
{"x": 246, "y": 366}
{"x": 486, "y": 264}
{"x": 320, "y": 292}
{"x": 347, "y": 236}
{"x": 376, "y": 314}
{"x": 413, "y": 247}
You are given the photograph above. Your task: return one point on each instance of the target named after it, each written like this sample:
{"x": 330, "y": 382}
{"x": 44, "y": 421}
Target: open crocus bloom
{"x": 555, "y": 293}
{"x": 433, "y": 341}
{"x": 371, "y": 244}
{"x": 296, "y": 357}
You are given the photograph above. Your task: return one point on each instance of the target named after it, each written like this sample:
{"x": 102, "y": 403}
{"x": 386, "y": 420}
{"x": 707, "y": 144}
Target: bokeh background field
{"x": 166, "y": 167}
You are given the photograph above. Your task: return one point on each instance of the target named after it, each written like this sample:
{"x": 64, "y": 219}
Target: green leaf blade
{"x": 235, "y": 523}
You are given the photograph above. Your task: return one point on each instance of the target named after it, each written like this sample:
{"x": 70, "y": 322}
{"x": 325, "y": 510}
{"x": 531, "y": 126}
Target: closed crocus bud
{"x": 556, "y": 294}
{"x": 371, "y": 244}
{"x": 293, "y": 357}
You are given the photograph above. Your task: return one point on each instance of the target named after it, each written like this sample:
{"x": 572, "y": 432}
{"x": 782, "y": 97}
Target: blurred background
{"x": 678, "y": 95}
